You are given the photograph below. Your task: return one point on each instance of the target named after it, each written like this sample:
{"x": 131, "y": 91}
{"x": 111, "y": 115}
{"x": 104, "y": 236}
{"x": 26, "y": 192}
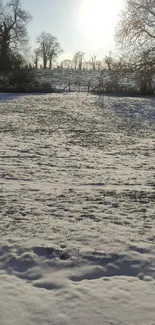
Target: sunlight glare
{"x": 98, "y": 19}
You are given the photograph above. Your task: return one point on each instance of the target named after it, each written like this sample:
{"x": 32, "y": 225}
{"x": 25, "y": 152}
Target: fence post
{"x": 69, "y": 86}
{"x": 88, "y": 87}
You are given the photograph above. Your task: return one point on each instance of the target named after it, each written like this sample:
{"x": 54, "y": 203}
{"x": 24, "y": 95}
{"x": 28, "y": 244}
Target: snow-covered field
{"x": 60, "y": 78}
{"x": 77, "y": 210}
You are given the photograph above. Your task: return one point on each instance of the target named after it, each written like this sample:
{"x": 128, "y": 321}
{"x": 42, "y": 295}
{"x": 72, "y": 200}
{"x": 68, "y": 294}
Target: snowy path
{"x": 77, "y": 207}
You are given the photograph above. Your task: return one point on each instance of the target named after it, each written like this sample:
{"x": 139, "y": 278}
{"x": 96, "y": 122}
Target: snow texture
{"x": 77, "y": 207}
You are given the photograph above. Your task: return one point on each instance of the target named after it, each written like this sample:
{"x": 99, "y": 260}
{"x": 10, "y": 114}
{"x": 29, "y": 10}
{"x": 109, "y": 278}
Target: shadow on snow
{"x": 10, "y": 96}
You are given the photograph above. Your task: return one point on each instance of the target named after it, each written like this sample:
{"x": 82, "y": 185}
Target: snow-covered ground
{"x": 59, "y": 78}
{"x": 77, "y": 210}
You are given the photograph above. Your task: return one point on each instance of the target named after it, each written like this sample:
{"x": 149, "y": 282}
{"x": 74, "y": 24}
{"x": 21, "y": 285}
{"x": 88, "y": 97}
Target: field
{"x": 77, "y": 210}
{"x": 60, "y": 78}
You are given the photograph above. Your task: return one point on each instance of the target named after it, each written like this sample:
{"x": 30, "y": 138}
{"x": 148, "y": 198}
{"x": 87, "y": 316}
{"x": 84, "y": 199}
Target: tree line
{"x": 14, "y": 38}
{"x": 14, "y": 44}
{"x": 135, "y": 43}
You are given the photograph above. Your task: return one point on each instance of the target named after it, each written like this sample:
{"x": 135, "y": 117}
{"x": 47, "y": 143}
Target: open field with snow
{"x": 60, "y": 78}
{"x": 77, "y": 210}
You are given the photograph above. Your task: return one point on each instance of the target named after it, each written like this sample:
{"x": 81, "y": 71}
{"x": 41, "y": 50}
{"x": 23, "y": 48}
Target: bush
{"x": 144, "y": 81}
{"x": 23, "y": 81}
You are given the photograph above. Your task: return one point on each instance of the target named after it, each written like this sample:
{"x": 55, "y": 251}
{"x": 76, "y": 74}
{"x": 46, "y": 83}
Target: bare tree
{"x": 78, "y": 60}
{"x": 135, "y": 34}
{"x": 81, "y": 58}
{"x": 54, "y": 50}
{"x": 93, "y": 61}
{"x": 99, "y": 65}
{"x": 49, "y": 48}
{"x": 75, "y": 60}
{"x": 43, "y": 41}
{"x": 66, "y": 64}
{"x": 136, "y": 28}
{"x": 143, "y": 72}
{"x": 87, "y": 65}
{"x": 13, "y": 31}
{"x": 109, "y": 61}
{"x": 36, "y": 58}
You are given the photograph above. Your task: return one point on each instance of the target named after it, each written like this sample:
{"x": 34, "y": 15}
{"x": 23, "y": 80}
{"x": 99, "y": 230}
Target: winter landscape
{"x": 77, "y": 193}
{"x": 77, "y": 162}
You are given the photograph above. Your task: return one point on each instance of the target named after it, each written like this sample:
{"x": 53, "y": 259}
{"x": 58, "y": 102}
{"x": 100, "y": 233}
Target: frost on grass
{"x": 77, "y": 192}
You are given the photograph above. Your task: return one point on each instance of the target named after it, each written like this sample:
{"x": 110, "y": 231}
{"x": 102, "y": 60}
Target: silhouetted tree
{"x": 136, "y": 29}
{"x": 13, "y": 32}
{"x": 109, "y": 61}
{"x": 75, "y": 60}
{"x": 78, "y": 60}
{"x": 143, "y": 71}
{"x": 36, "y": 58}
{"x": 43, "y": 49}
{"x": 99, "y": 65}
{"x": 49, "y": 48}
{"x": 54, "y": 51}
{"x": 66, "y": 64}
{"x": 93, "y": 61}
{"x": 135, "y": 35}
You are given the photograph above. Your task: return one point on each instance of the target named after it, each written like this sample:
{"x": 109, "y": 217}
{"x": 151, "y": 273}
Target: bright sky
{"x": 80, "y": 25}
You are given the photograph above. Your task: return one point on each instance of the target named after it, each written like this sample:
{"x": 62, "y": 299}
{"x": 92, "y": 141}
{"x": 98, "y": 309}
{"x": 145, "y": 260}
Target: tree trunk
{"x": 4, "y": 58}
{"x": 80, "y": 65}
{"x": 4, "y": 55}
{"x": 45, "y": 62}
{"x": 50, "y": 63}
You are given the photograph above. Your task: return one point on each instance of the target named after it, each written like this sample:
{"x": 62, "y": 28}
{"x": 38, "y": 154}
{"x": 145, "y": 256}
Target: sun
{"x": 97, "y": 20}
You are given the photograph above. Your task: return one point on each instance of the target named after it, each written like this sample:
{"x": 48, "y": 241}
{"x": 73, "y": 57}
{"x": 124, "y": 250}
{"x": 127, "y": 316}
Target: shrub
{"x": 21, "y": 80}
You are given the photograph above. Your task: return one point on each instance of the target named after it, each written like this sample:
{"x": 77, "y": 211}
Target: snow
{"x": 60, "y": 78}
{"x": 77, "y": 192}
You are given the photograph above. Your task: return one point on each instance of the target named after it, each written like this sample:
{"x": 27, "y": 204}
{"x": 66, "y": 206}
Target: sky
{"x": 79, "y": 25}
